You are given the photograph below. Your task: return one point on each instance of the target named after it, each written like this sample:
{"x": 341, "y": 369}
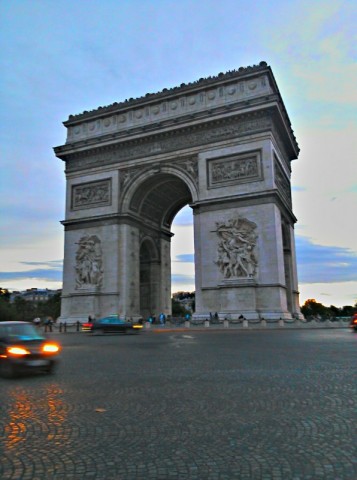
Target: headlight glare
{"x": 50, "y": 348}
{"x": 17, "y": 351}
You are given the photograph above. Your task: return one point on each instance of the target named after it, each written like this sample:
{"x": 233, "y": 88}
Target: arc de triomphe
{"x": 223, "y": 145}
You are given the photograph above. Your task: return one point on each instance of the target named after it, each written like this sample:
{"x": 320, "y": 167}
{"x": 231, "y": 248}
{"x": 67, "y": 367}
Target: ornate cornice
{"x": 170, "y": 141}
{"x": 183, "y": 88}
{"x": 234, "y": 91}
{"x": 117, "y": 219}
{"x": 247, "y": 200}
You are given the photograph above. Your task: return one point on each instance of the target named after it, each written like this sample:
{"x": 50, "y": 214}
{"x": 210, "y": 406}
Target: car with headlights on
{"x": 111, "y": 324}
{"x": 353, "y": 323}
{"x": 23, "y": 349}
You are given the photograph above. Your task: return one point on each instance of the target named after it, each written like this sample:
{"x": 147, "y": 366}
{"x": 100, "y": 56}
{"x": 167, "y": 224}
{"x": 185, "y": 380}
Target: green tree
{"x": 313, "y": 308}
{"x": 335, "y": 311}
{"x": 53, "y": 305}
{"x": 24, "y": 309}
{"x": 7, "y": 311}
{"x": 4, "y": 294}
{"x": 347, "y": 311}
{"x": 178, "y": 310}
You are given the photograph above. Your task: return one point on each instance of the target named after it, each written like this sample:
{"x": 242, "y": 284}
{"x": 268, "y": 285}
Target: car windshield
{"x": 21, "y": 331}
{"x": 110, "y": 320}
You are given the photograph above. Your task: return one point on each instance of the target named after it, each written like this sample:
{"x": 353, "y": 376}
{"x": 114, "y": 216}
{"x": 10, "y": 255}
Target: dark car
{"x": 111, "y": 324}
{"x": 24, "y": 349}
{"x": 353, "y": 323}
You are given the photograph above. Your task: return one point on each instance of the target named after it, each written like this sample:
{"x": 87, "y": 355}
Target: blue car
{"x": 111, "y": 324}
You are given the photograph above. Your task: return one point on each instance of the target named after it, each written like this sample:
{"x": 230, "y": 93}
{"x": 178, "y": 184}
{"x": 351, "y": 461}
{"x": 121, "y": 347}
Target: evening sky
{"x": 64, "y": 57}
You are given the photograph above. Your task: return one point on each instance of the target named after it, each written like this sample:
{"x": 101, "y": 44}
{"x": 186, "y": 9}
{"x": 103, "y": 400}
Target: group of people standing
{"x": 161, "y": 320}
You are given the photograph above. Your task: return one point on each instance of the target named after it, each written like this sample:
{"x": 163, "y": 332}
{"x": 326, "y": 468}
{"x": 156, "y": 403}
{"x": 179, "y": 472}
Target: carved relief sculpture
{"x": 91, "y": 194}
{"x": 89, "y": 263}
{"x": 190, "y": 166}
{"x": 241, "y": 168}
{"x": 236, "y": 248}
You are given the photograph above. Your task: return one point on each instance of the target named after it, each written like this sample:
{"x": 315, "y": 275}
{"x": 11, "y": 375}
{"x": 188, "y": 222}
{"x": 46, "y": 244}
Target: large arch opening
{"x": 157, "y": 201}
{"x": 182, "y": 252}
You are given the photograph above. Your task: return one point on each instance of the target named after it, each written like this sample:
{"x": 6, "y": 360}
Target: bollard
{"x": 263, "y": 323}
{"x": 60, "y": 327}
{"x": 225, "y": 324}
{"x": 77, "y": 325}
{"x": 147, "y": 324}
{"x": 281, "y": 322}
{"x": 65, "y": 326}
{"x": 187, "y": 324}
{"x": 206, "y": 323}
{"x": 245, "y": 323}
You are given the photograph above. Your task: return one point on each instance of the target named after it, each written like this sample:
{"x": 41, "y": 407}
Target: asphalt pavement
{"x": 187, "y": 404}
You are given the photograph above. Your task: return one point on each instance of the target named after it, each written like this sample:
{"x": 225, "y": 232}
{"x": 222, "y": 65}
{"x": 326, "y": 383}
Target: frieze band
{"x": 237, "y": 169}
{"x": 183, "y": 139}
{"x": 91, "y": 195}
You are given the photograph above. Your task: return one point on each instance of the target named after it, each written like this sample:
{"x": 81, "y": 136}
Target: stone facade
{"x": 224, "y": 146}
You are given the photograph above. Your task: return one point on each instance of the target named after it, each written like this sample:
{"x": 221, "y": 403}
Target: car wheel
{"x": 7, "y": 370}
{"x": 50, "y": 370}
{"x": 98, "y": 331}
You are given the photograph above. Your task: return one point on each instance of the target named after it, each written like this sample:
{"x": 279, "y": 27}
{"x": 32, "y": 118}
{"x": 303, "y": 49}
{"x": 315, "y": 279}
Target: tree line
{"x": 312, "y": 308}
{"x": 24, "y": 310}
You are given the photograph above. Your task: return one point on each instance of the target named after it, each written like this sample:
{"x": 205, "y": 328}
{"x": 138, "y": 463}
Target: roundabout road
{"x": 187, "y": 405}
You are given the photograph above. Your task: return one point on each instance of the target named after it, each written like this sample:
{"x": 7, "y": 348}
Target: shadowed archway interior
{"x": 159, "y": 198}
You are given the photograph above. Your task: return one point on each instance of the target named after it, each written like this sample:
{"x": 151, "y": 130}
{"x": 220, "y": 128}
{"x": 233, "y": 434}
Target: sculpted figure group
{"x": 235, "y": 252}
{"x": 89, "y": 262}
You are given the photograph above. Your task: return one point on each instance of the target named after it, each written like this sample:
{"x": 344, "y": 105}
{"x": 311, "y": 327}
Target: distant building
{"x": 34, "y": 294}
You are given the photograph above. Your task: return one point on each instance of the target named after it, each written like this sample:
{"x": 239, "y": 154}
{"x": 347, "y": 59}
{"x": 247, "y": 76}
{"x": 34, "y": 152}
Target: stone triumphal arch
{"x": 223, "y": 145}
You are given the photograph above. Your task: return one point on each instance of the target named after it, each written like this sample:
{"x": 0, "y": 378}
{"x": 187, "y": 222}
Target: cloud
{"x": 182, "y": 279}
{"x": 314, "y": 49}
{"x": 338, "y": 294}
{"x": 51, "y": 272}
{"x": 40, "y": 274}
{"x": 53, "y": 264}
{"x": 316, "y": 263}
{"x": 324, "y": 264}
{"x": 186, "y": 258}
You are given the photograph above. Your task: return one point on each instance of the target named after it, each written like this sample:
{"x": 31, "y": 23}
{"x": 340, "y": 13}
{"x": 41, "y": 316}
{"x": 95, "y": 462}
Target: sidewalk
{"x": 209, "y": 327}
{"x": 245, "y": 325}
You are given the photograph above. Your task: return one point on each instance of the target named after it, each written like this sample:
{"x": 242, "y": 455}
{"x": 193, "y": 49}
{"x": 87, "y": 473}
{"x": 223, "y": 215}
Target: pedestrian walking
{"x": 48, "y": 324}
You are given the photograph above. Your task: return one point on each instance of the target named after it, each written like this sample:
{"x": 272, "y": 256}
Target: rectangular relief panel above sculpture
{"x": 234, "y": 169}
{"x": 92, "y": 195}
